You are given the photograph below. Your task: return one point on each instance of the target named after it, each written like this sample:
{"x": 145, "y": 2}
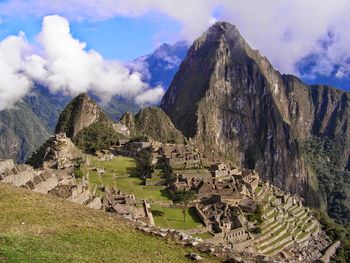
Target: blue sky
{"x": 119, "y": 38}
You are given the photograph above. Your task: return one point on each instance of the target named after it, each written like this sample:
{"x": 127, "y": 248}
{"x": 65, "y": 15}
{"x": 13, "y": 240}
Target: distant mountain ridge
{"x": 160, "y": 66}
{"x": 29, "y": 123}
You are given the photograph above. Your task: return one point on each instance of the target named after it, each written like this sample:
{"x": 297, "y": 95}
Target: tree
{"x": 183, "y": 198}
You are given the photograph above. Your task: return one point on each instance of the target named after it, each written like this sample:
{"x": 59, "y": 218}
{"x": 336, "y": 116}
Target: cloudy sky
{"x": 74, "y": 46}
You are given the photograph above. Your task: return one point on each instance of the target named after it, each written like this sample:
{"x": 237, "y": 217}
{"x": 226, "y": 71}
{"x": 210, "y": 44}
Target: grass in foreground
{"x": 40, "y": 228}
{"x": 173, "y": 218}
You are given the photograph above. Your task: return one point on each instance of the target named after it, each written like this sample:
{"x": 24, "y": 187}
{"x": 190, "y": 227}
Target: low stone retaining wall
{"x": 330, "y": 252}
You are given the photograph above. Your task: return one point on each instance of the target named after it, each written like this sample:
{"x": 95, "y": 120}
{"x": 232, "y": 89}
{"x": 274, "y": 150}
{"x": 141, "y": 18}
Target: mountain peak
{"x": 224, "y": 27}
{"x": 226, "y": 93}
{"x": 81, "y": 112}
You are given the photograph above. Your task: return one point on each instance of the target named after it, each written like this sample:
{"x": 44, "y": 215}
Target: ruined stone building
{"x": 128, "y": 206}
{"x": 181, "y": 156}
{"x": 225, "y": 221}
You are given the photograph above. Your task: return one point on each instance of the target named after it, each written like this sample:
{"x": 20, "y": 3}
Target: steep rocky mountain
{"x": 80, "y": 113}
{"x": 160, "y": 67}
{"x": 152, "y": 122}
{"x": 88, "y": 126}
{"x": 21, "y": 132}
{"x": 234, "y": 104}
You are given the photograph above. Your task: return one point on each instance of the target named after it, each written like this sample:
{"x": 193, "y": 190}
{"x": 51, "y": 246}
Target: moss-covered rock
{"x": 154, "y": 123}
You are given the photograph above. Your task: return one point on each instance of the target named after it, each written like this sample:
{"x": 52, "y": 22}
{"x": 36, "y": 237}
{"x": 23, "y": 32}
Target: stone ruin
{"x": 224, "y": 221}
{"x": 54, "y": 174}
{"x": 180, "y": 156}
{"x": 57, "y": 182}
{"x": 128, "y": 206}
{"x": 58, "y": 152}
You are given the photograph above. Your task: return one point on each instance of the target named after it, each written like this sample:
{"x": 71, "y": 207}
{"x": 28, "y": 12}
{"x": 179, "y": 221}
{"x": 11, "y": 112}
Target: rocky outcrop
{"x": 154, "y": 123}
{"x": 57, "y": 152}
{"x": 80, "y": 113}
{"x": 330, "y": 252}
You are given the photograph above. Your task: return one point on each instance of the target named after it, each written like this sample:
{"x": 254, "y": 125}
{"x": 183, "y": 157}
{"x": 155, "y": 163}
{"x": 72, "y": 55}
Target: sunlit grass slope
{"x": 40, "y": 228}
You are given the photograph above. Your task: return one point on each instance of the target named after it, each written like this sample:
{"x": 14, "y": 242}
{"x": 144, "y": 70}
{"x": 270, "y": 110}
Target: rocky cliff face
{"x": 234, "y": 104}
{"x": 152, "y": 122}
{"x": 80, "y": 113}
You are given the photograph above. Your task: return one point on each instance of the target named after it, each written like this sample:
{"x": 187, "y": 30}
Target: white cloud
{"x": 151, "y": 96}
{"x": 283, "y": 30}
{"x": 13, "y": 83}
{"x": 67, "y": 66}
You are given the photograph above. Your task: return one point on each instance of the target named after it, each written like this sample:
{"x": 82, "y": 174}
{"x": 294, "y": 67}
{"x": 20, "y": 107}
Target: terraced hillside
{"x": 283, "y": 224}
{"x": 42, "y": 228}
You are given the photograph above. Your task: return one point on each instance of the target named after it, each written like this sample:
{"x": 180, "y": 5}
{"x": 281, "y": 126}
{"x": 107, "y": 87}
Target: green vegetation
{"x": 324, "y": 156}
{"x": 173, "y": 217}
{"x": 183, "y": 198}
{"x": 257, "y": 215}
{"x": 98, "y": 136}
{"x": 154, "y": 123}
{"x": 119, "y": 165}
{"x": 336, "y": 232}
{"x": 256, "y": 230}
{"x": 125, "y": 174}
{"x": 40, "y": 228}
{"x": 136, "y": 187}
{"x": 17, "y": 137}
{"x": 258, "y": 190}
{"x": 78, "y": 173}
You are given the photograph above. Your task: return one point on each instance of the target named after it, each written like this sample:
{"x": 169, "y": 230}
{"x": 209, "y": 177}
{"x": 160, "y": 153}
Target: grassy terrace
{"x": 158, "y": 173}
{"x": 39, "y": 228}
{"x": 275, "y": 242}
{"x": 123, "y": 173}
{"x": 258, "y": 190}
{"x": 280, "y": 247}
{"x": 173, "y": 218}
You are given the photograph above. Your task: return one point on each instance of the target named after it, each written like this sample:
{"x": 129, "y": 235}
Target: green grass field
{"x": 135, "y": 186}
{"x": 173, "y": 218}
{"x": 120, "y": 166}
{"x": 123, "y": 173}
{"x": 40, "y": 228}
